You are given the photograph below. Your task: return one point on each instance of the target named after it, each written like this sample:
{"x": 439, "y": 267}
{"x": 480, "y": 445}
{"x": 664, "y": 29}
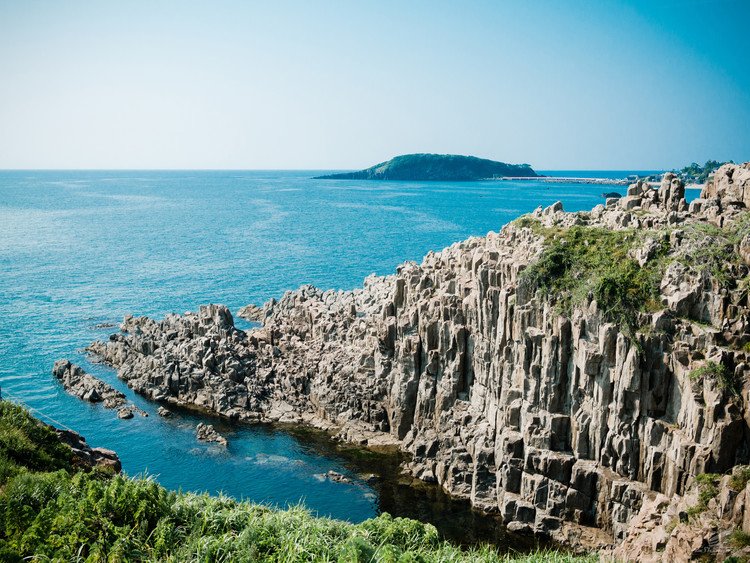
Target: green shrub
{"x": 581, "y": 263}
{"x": 739, "y": 539}
{"x": 94, "y": 516}
{"x": 707, "y": 490}
{"x": 717, "y": 372}
{"x": 739, "y": 478}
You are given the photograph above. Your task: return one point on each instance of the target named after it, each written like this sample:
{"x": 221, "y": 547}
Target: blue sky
{"x": 318, "y": 85}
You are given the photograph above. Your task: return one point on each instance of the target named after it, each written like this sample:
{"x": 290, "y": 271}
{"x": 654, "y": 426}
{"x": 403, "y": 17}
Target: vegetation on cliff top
{"x": 436, "y": 167}
{"x": 48, "y": 512}
{"x": 580, "y": 263}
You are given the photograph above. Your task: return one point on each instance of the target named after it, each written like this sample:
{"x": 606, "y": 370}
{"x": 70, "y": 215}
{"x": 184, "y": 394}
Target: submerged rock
{"x": 559, "y": 415}
{"x": 207, "y": 433}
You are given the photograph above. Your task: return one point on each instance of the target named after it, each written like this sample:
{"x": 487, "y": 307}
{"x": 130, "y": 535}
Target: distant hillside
{"x": 697, "y": 174}
{"x": 445, "y": 167}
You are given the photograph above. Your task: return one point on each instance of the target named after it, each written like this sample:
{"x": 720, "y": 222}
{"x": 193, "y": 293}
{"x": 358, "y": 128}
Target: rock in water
{"x": 207, "y": 433}
{"x": 564, "y": 420}
{"x": 85, "y": 386}
{"x": 337, "y": 477}
{"x": 163, "y": 412}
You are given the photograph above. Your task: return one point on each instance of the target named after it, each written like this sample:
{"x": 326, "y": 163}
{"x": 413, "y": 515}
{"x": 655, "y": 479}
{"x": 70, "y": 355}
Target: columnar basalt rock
{"x": 561, "y": 421}
{"x": 88, "y": 388}
{"x": 84, "y": 386}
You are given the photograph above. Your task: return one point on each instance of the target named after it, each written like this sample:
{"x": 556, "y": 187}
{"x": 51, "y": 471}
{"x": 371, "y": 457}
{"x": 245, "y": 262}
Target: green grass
{"x": 715, "y": 250}
{"x": 25, "y": 444}
{"x": 739, "y": 539}
{"x": 740, "y": 477}
{"x": 718, "y": 372}
{"x": 50, "y": 512}
{"x": 581, "y": 263}
{"x": 707, "y": 489}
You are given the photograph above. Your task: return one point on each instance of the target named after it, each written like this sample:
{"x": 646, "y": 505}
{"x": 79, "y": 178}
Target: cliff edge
{"x": 570, "y": 372}
{"x": 436, "y": 167}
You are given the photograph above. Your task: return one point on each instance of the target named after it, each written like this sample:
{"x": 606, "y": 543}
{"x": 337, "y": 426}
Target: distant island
{"x": 437, "y": 167}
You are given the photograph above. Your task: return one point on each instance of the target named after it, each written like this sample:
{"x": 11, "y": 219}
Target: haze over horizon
{"x": 337, "y": 85}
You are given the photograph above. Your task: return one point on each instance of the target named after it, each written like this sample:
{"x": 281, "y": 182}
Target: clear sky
{"x": 322, "y": 84}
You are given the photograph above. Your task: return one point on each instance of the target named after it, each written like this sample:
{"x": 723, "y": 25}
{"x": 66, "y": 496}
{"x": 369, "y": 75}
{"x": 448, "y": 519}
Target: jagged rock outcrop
{"x": 562, "y": 420}
{"x": 88, "y": 388}
{"x": 710, "y": 522}
{"x": 84, "y": 456}
{"x": 251, "y": 313}
{"x": 207, "y": 433}
{"x": 730, "y": 185}
{"x": 85, "y": 386}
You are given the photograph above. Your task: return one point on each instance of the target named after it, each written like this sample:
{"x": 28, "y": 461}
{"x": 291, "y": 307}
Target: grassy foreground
{"x": 50, "y": 512}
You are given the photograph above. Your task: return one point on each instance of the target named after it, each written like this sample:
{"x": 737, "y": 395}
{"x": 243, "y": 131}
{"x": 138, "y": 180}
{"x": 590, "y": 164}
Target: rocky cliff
{"x": 563, "y": 372}
{"x": 431, "y": 167}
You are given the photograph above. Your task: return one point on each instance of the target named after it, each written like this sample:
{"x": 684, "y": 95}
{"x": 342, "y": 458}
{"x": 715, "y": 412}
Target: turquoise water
{"x": 82, "y": 248}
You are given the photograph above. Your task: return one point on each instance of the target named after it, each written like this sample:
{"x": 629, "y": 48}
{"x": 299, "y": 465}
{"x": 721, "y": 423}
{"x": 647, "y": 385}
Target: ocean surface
{"x": 82, "y": 249}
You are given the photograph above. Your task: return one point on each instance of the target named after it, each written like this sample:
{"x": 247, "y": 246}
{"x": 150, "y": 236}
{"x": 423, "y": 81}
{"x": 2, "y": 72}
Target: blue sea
{"x": 80, "y": 249}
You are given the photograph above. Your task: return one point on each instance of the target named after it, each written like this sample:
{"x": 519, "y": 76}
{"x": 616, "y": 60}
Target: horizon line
{"x": 618, "y": 169}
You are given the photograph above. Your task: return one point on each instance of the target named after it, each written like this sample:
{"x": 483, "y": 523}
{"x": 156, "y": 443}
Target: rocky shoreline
{"x": 563, "y": 418}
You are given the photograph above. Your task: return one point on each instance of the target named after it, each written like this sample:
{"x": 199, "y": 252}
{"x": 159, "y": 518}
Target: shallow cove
{"x": 79, "y": 249}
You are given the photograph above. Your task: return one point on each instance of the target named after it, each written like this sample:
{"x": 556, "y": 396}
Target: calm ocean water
{"x": 82, "y": 248}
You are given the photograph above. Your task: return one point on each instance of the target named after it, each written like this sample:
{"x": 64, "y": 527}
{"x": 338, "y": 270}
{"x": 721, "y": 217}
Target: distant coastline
{"x": 569, "y": 180}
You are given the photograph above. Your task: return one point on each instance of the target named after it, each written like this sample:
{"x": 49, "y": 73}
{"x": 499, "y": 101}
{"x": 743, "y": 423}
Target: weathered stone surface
{"x": 685, "y": 528}
{"x": 730, "y": 185}
{"x": 87, "y": 387}
{"x": 207, "y": 433}
{"x": 84, "y": 386}
{"x": 85, "y": 456}
{"x": 557, "y": 423}
{"x": 251, "y": 313}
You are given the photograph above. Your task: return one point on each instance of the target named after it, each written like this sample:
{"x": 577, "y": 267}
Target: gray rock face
{"x": 700, "y": 525}
{"x": 85, "y": 386}
{"x": 86, "y": 456}
{"x": 730, "y": 184}
{"x": 562, "y": 424}
{"x": 251, "y": 313}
